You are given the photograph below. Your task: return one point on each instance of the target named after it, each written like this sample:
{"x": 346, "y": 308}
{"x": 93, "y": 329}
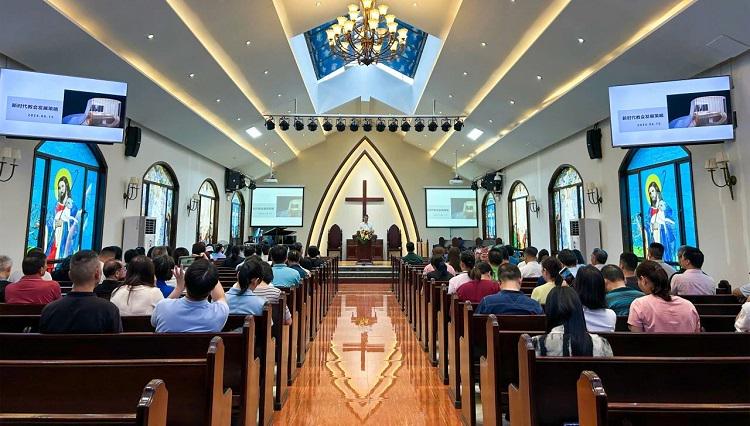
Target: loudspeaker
{"x": 594, "y": 143}
{"x": 132, "y": 141}
{"x": 233, "y": 180}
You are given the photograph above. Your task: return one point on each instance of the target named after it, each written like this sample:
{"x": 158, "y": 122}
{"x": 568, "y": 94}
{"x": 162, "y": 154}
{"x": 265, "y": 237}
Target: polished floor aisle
{"x": 365, "y": 367}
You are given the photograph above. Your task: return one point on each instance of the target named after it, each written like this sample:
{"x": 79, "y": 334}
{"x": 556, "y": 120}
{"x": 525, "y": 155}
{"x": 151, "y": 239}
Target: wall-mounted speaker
{"x": 233, "y": 180}
{"x": 594, "y": 143}
{"x": 132, "y": 141}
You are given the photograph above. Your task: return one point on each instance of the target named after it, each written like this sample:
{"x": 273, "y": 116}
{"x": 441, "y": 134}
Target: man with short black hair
{"x": 692, "y": 281}
{"x": 32, "y": 288}
{"x": 619, "y": 295}
{"x": 199, "y": 250}
{"x": 411, "y": 257}
{"x": 531, "y": 268}
{"x": 114, "y": 273}
{"x": 6, "y": 264}
{"x": 193, "y": 313}
{"x": 313, "y": 259}
{"x": 510, "y": 300}
{"x": 283, "y": 276}
{"x": 628, "y": 263}
{"x": 81, "y": 311}
{"x": 467, "y": 264}
{"x": 569, "y": 261}
{"x": 292, "y": 261}
{"x": 599, "y": 258}
{"x": 656, "y": 253}
{"x": 163, "y": 267}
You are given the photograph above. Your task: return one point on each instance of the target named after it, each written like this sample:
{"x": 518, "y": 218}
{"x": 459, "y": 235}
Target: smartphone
{"x": 566, "y": 274}
{"x": 186, "y": 261}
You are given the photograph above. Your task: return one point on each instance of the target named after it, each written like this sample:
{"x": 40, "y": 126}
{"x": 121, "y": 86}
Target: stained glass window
{"x": 566, "y": 199}
{"x": 207, "y": 226}
{"x": 237, "y": 219}
{"x": 65, "y": 213}
{"x": 490, "y": 217}
{"x": 519, "y": 216}
{"x": 659, "y": 205}
{"x": 159, "y": 194}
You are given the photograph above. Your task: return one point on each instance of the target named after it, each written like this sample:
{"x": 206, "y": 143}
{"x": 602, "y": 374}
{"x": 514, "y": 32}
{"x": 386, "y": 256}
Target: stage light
{"x": 340, "y": 125}
{"x": 299, "y": 125}
{"x": 419, "y": 126}
{"x": 270, "y": 125}
{"x": 380, "y": 127}
{"x": 327, "y": 126}
{"x": 458, "y": 125}
{"x": 284, "y": 124}
{"x": 367, "y": 125}
{"x": 354, "y": 125}
{"x": 393, "y": 125}
{"x": 405, "y": 125}
{"x": 312, "y": 125}
{"x": 446, "y": 125}
{"x": 433, "y": 125}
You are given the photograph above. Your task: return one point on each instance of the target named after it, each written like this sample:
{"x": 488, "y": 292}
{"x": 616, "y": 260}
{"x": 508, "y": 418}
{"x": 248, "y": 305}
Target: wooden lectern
{"x": 364, "y": 250}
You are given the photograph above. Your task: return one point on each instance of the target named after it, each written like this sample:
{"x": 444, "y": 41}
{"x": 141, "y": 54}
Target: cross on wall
{"x": 364, "y": 199}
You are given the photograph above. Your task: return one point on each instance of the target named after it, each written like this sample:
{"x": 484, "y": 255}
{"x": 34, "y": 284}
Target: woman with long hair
{"x": 551, "y": 268}
{"x": 589, "y": 284}
{"x": 481, "y": 284}
{"x": 454, "y": 258}
{"x": 240, "y": 297}
{"x": 658, "y": 311}
{"x": 566, "y": 328}
{"x": 440, "y": 269}
{"x": 234, "y": 257}
{"x": 138, "y": 295}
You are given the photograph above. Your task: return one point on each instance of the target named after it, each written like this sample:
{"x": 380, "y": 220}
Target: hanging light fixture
{"x": 367, "y": 34}
{"x": 456, "y": 179}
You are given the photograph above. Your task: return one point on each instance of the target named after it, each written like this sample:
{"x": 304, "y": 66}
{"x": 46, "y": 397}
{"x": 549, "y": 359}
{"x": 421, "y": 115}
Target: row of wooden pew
{"x": 470, "y": 349}
{"x": 242, "y": 372}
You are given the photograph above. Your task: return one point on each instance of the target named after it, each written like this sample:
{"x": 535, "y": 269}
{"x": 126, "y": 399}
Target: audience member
{"x": 6, "y": 264}
{"x": 619, "y": 295}
{"x": 117, "y": 250}
{"x": 140, "y": 251}
{"x": 313, "y": 259}
{"x": 543, "y": 254}
{"x": 292, "y": 261}
{"x": 199, "y": 250}
{"x": 234, "y": 258}
{"x": 163, "y": 267}
{"x": 467, "y": 264}
{"x": 510, "y": 300}
{"x": 454, "y": 257}
{"x": 599, "y": 258}
{"x": 579, "y": 257}
{"x": 81, "y": 311}
{"x": 566, "y": 329}
{"x": 32, "y": 288}
{"x": 439, "y": 269}
{"x": 129, "y": 255}
{"x": 510, "y": 254}
{"x": 628, "y": 263}
{"x": 551, "y": 268}
{"x": 740, "y": 292}
{"x": 193, "y": 313}
{"x": 438, "y": 251}
{"x": 589, "y": 285}
{"x": 218, "y": 253}
{"x": 264, "y": 250}
{"x": 656, "y": 253}
{"x": 658, "y": 311}
{"x": 496, "y": 257}
{"x": 107, "y": 253}
{"x": 114, "y": 273}
{"x": 16, "y": 275}
{"x": 269, "y": 292}
{"x": 157, "y": 251}
{"x": 178, "y": 253}
{"x": 62, "y": 271}
{"x": 240, "y": 297}
{"x": 531, "y": 268}
{"x": 481, "y": 284}
{"x": 283, "y": 276}
{"x": 742, "y": 323}
{"x": 138, "y": 295}
{"x": 411, "y": 258}
{"x": 569, "y": 261}
{"x": 692, "y": 280}
{"x": 480, "y": 251}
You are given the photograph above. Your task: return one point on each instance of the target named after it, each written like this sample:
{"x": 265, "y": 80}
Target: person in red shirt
{"x": 481, "y": 284}
{"x": 31, "y": 288}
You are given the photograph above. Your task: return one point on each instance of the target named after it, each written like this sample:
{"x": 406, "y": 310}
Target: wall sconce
{"x": 9, "y": 157}
{"x": 193, "y": 204}
{"x": 131, "y": 190}
{"x": 592, "y": 192}
{"x": 721, "y": 162}
{"x": 533, "y": 205}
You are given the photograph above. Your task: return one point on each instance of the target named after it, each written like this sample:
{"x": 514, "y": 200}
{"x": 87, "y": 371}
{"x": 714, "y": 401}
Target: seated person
{"x": 551, "y": 268}
{"x": 497, "y": 256}
{"x": 568, "y": 260}
{"x": 510, "y": 300}
{"x": 619, "y": 295}
{"x": 240, "y": 297}
{"x": 566, "y": 329}
{"x": 269, "y": 292}
{"x": 590, "y": 286}
{"x": 742, "y": 324}
{"x": 138, "y": 295}
{"x": 81, "y": 311}
{"x": 531, "y": 268}
{"x": 218, "y": 253}
{"x": 438, "y": 251}
{"x": 163, "y": 267}
{"x": 283, "y": 276}
{"x": 313, "y": 259}
{"x": 292, "y": 261}
{"x": 411, "y": 257}
{"x": 480, "y": 251}
{"x": 692, "y": 280}
{"x": 658, "y": 311}
{"x": 193, "y": 313}
{"x": 481, "y": 284}
{"x": 628, "y": 263}
{"x": 32, "y": 288}
{"x": 440, "y": 269}
{"x": 234, "y": 258}
{"x": 599, "y": 258}
{"x": 114, "y": 273}
{"x": 467, "y": 264}
{"x": 6, "y": 264}
{"x": 741, "y": 292}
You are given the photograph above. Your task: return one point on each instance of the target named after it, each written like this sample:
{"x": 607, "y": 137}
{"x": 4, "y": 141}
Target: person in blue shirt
{"x": 163, "y": 266}
{"x": 510, "y": 300}
{"x": 283, "y": 276}
{"x": 240, "y": 297}
{"x": 293, "y": 259}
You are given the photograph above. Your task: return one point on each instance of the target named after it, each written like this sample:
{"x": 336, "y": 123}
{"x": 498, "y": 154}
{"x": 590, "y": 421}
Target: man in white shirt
{"x": 531, "y": 268}
{"x": 365, "y": 226}
{"x": 656, "y": 253}
{"x": 467, "y": 264}
{"x": 599, "y": 258}
{"x": 692, "y": 280}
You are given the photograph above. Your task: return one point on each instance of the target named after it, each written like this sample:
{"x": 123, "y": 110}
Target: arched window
{"x": 237, "y": 219}
{"x": 65, "y": 209}
{"x": 566, "y": 199}
{"x": 518, "y": 216}
{"x": 659, "y": 206}
{"x": 160, "y": 190}
{"x": 490, "y": 217}
{"x": 208, "y": 212}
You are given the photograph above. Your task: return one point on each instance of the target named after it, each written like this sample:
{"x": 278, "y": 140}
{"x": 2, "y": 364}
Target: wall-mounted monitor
{"x": 47, "y": 106}
{"x": 277, "y": 206}
{"x": 451, "y": 208}
{"x": 672, "y": 112}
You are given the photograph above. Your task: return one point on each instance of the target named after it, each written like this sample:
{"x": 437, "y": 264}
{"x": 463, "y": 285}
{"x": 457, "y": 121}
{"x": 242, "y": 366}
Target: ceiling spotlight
{"x": 354, "y": 125}
{"x": 367, "y": 125}
{"x": 405, "y": 125}
{"x": 312, "y": 125}
{"x": 327, "y": 126}
{"x": 581, "y": 41}
{"x": 298, "y": 124}
{"x": 191, "y": 75}
{"x": 284, "y": 124}
{"x": 150, "y": 36}
{"x": 340, "y": 125}
{"x": 433, "y": 125}
{"x": 380, "y": 126}
{"x": 512, "y": 102}
{"x": 393, "y": 125}
{"x": 458, "y": 125}
{"x": 446, "y": 124}
{"x": 419, "y": 126}
{"x": 270, "y": 124}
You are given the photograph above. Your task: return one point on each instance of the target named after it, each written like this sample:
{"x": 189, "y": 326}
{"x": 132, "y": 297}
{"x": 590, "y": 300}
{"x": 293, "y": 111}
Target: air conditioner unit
{"x": 585, "y": 235}
{"x": 139, "y": 231}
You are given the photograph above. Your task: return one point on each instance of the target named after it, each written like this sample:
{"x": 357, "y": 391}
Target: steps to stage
{"x": 351, "y": 273}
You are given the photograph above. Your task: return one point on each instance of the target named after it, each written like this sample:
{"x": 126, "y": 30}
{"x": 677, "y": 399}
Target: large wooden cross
{"x": 363, "y": 199}
{"x": 363, "y": 347}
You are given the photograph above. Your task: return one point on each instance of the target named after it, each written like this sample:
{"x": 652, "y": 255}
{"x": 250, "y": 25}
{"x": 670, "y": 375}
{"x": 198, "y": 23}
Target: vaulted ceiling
{"x": 528, "y": 73}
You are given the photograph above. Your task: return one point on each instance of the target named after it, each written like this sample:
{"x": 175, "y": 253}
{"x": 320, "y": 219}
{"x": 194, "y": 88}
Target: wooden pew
{"x": 432, "y": 293}
{"x": 280, "y": 334}
{"x": 442, "y": 333}
{"x": 714, "y": 299}
{"x": 455, "y": 332}
{"x": 719, "y": 309}
{"x": 11, "y": 309}
{"x": 294, "y": 331}
{"x": 195, "y": 385}
{"x": 596, "y": 409}
{"x": 545, "y": 394}
{"x": 151, "y": 410}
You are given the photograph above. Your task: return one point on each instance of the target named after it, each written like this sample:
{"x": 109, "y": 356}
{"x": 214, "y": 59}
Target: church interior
{"x": 298, "y": 212}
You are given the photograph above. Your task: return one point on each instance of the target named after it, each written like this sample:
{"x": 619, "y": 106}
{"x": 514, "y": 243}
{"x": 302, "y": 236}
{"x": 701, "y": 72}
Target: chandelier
{"x": 368, "y": 35}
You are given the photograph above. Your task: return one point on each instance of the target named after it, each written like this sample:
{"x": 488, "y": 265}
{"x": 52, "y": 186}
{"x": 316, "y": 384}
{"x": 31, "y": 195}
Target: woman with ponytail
{"x": 481, "y": 284}
{"x": 658, "y": 311}
{"x": 551, "y": 268}
{"x": 240, "y": 297}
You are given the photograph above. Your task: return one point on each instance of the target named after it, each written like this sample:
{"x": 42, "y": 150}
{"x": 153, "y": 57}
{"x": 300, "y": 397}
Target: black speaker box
{"x": 233, "y": 180}
{"x": 594, "y": 143}
{"x": 132, "y": 141}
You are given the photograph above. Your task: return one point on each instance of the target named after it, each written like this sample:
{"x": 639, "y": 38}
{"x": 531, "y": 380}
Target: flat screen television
{"x": 47, "y": 106}
{"x": 451, "y": 208}
{"x": 277, "y": 206}
{"x": 679, "y": 112}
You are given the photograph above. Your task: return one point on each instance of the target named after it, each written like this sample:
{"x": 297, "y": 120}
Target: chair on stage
{"x": 335, "y": 240}
{"x": 394, "y": 242}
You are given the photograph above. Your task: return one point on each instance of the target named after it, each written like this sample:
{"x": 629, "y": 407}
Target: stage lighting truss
{"x": 367, "y": 123}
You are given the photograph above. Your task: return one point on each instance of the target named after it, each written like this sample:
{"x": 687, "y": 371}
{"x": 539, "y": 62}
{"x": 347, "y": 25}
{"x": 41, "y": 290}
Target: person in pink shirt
{"x": 438, "y": 251}
{"x": 692, "y": 280}
{"x": 658, "y": 311}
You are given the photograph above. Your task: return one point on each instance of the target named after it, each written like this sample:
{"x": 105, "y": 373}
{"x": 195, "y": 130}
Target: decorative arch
{"x": 159, "y": 200}
{"x": 364, "y": 149}
{"x": 519, "y": 218}
{"x": 489, "y": 216}
{"x": 207, "y": 224}
{"x": 566, "y": 201}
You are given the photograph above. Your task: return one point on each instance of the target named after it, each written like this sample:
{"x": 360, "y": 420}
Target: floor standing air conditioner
{"x": 139, "y": 231}
{"x": 585, "y": 235}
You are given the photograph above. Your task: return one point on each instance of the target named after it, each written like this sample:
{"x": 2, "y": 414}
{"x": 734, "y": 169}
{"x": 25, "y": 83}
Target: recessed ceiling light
{"x": 512, "y": 102}
{"x": 317, "y": 3}
{"x": 450, "y": 96}
{"x": 265, "y": 144}
{"x": 278, "y": 94}
{"x": 414, "y": 4}
{"x": 274, "y": 152}
{"x": 491, "y": 121}
{"x": 463, "y": 145}
{"x": 466, "y": 73}
{"x": 239, "y": 119}
{"x": 150, "y": 36}
{"x": 484, "y": 44}
{"x": 191, "y": 75}
{"x": 254, "y": 132}
{"x": 265, "y": 72}
{"x": 539, "y": 77}
{"x": 218, "y": 100}
{"x": 248, "y": 43}
{"x": 580, "y": 40}
{"x": 474, "y": 134}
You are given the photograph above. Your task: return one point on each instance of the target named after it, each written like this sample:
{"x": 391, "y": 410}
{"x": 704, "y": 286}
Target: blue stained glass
{"x": 78, "y": 152}
{"x": 637, "y": 225}
{"x": 35, "y": 210}
{"x": 490, "y": 215}
{"x": 88, "y": 217}
{"x": 646, "y": 157}
{"x": 62, "y": 223}
{"x": 236, "y": 217}
{"x": 688, "y": 208}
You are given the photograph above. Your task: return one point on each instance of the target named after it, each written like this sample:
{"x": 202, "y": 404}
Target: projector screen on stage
{"x": 277, "y": 206}
{"x": 451, "y": 208}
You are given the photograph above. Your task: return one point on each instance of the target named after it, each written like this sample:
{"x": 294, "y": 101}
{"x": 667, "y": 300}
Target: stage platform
{"x": 351, "y": 273}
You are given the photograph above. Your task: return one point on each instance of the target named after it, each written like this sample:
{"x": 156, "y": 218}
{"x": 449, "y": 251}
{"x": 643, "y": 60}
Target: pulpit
{"x": 367, "y": 252}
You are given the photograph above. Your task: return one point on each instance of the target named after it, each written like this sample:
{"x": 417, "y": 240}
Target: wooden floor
{"x": 365, "y": 367}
